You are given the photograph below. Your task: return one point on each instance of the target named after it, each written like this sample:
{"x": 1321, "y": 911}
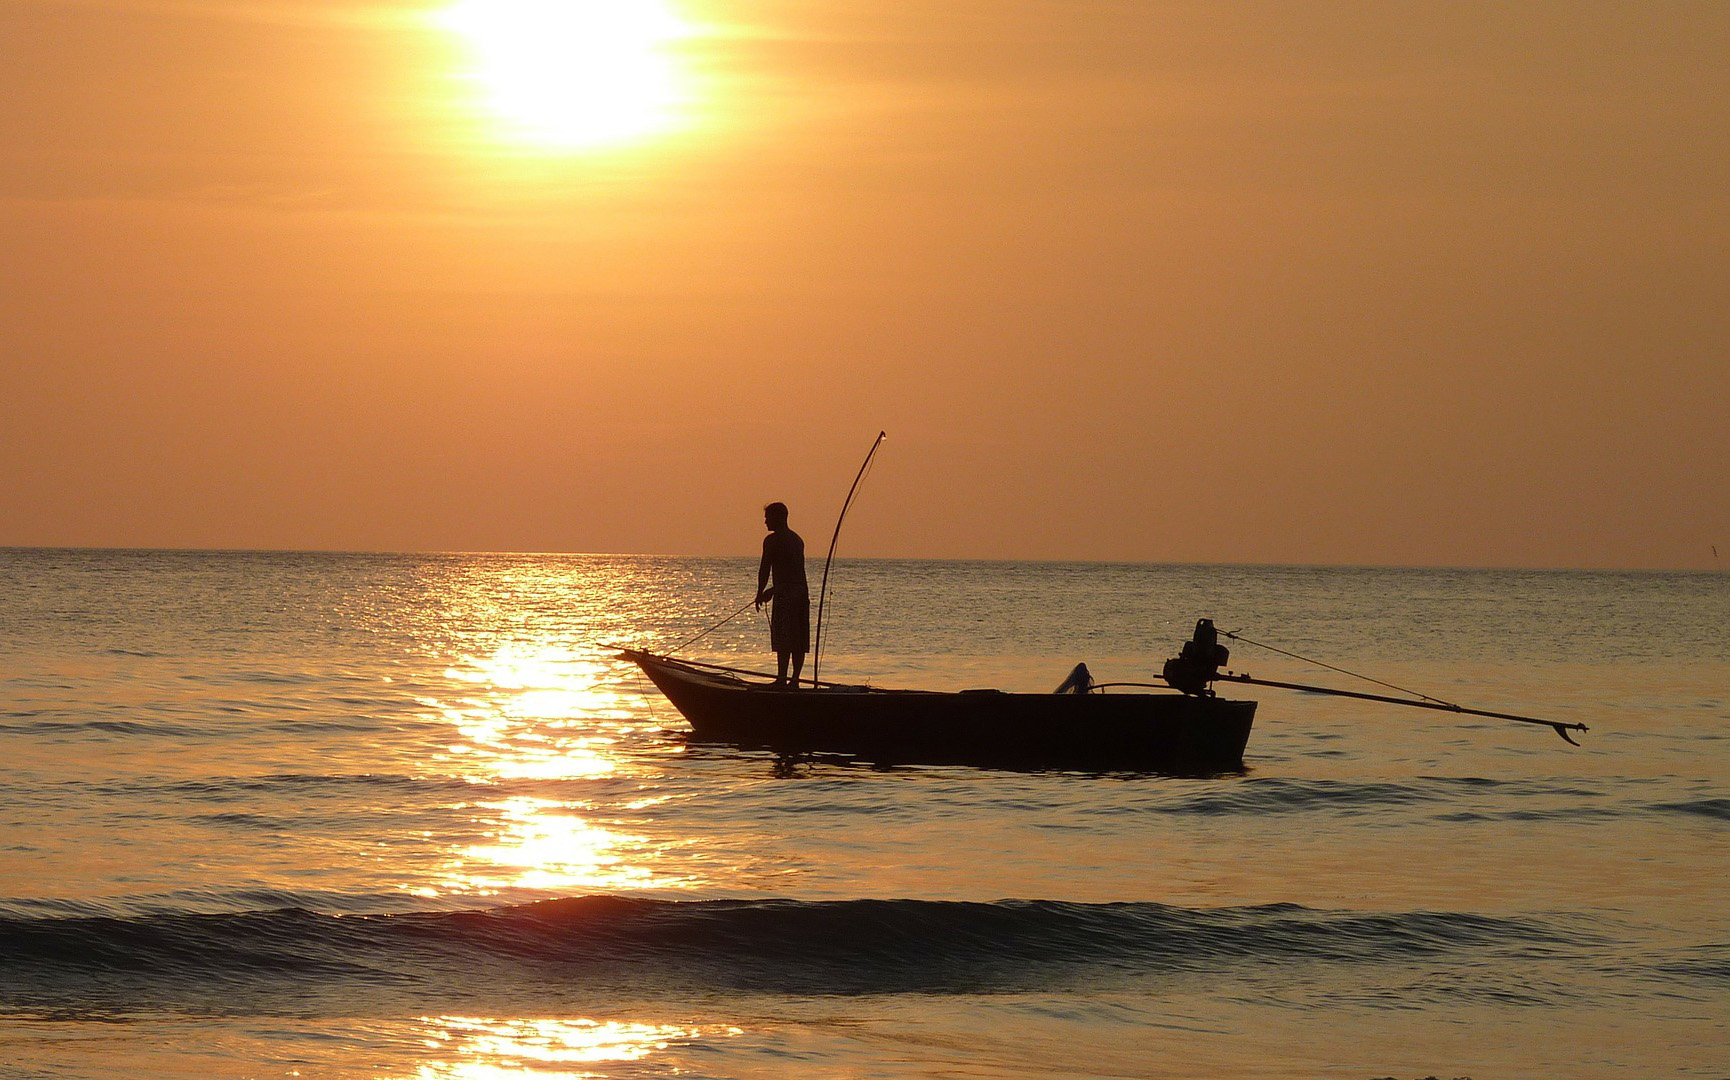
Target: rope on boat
{"x": 647, "y": 690}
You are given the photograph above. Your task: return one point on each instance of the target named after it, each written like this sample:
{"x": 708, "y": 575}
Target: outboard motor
{"x": 1198, "y": 664}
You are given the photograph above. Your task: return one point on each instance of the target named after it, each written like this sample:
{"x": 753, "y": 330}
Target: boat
{"x": 1187, "y": 729}
{"x": 1184, "y": 726}
{"x": 1081, "y": 726}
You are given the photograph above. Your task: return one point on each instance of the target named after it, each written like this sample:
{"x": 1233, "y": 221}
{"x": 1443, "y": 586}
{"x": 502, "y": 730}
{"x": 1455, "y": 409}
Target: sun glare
{"x": 575, "y": 74}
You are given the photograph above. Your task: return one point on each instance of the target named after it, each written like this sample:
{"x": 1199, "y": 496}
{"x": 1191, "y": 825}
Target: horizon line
{"x": 1047, "y": 560}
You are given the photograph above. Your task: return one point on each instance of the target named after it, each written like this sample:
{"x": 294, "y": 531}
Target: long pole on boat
{"x": 823, "y": 591}
{"x": 1442, "y": 706}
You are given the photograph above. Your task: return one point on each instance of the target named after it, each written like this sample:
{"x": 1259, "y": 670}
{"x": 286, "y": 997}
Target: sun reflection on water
{"x": 484, "y": 1049}
{"x": 545, "y": 846}
{"x": 543, "y": 712}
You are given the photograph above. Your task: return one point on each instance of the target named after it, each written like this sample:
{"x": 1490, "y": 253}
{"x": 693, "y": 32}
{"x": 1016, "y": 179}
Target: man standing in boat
{"x": 790, "y": 614}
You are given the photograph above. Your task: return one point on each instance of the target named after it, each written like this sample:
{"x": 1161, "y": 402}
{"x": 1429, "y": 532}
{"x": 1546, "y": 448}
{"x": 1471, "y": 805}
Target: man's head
{"x": 775, "y": 515}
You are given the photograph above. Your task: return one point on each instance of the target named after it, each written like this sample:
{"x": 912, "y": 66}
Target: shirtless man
{"x": 790, "y": 614}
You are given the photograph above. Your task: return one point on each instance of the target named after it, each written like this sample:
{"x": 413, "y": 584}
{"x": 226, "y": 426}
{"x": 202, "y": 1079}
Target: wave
{"x": 1717, "y": 809}
{"x": 1283, "y": 795}
{"x": 296, "y": 791}
{"x": 56, "y": 726}
{"x": 1703, "y": 964}
{"x": 648, "y": 946}
{"x": 1448, "y": 798}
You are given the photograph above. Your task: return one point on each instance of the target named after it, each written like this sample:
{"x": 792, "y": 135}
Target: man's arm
{"x": 763, "y": 590}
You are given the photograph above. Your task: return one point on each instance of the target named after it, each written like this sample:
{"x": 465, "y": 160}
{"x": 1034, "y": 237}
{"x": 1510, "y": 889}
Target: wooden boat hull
{"x": 1096, "y": 732}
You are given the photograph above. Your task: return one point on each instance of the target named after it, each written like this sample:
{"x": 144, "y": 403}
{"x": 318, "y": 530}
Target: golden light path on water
{"x": 475, "y": 1048}
{"x": 540, "y": 712}
{"x": 542, "y": 715}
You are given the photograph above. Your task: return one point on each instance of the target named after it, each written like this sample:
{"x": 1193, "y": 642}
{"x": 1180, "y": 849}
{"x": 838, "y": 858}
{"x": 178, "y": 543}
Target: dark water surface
{"x": 272, "y": 815}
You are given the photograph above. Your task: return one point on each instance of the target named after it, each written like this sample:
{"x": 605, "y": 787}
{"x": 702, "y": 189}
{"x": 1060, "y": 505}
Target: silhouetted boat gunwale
{"x": 1141, "y": 732}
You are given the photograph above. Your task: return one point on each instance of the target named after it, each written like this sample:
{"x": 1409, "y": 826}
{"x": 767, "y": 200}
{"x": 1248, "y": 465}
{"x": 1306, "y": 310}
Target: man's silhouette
{"x": 790, "y": 613}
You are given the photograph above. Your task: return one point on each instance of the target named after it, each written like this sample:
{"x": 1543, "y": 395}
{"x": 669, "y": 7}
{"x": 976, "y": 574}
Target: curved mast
{"x": 823, "y": 591}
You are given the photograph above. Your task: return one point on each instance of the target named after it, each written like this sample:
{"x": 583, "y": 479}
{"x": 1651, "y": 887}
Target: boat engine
{"x": 1199, "y": 662}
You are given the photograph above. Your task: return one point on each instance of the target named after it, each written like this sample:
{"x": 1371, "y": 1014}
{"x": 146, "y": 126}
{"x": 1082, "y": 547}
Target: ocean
{"x": 408, "y": 816}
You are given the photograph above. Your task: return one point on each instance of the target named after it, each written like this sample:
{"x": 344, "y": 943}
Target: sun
{"x": 575, "y": 74}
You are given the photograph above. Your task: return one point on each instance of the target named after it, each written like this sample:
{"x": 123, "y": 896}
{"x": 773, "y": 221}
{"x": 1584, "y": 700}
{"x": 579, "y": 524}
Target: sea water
{"x": 332, "y": 815}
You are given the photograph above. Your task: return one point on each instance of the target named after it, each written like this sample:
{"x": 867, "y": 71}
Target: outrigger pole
{"x": 1442, "y": 706}
{"x": 823, "y": 591}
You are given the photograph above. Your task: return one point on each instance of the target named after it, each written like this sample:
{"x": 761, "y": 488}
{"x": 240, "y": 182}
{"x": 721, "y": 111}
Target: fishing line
{"x": 714, "y": 628}
{"x": 1308, "y": 660}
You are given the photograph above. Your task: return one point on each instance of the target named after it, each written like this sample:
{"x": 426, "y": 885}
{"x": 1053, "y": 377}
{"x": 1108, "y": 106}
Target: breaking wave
{"x": 651, "y": 946}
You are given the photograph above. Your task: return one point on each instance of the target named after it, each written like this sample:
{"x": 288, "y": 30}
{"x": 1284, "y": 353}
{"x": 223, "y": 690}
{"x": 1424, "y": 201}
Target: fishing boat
{"x": 1180, "y": 725}
{"x": 1082, "y": 725}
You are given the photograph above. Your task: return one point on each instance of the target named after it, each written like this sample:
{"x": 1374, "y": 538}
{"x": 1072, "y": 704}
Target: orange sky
{"x": 1390, "y": 283}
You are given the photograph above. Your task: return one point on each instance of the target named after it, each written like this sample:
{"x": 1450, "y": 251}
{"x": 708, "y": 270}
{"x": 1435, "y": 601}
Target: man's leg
{"x": 781, "y": 667}
{"x": 798, "y": 666}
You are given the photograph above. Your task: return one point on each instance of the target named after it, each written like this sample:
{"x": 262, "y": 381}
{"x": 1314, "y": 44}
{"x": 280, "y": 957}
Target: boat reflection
{"x": 475, "y": 1048}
